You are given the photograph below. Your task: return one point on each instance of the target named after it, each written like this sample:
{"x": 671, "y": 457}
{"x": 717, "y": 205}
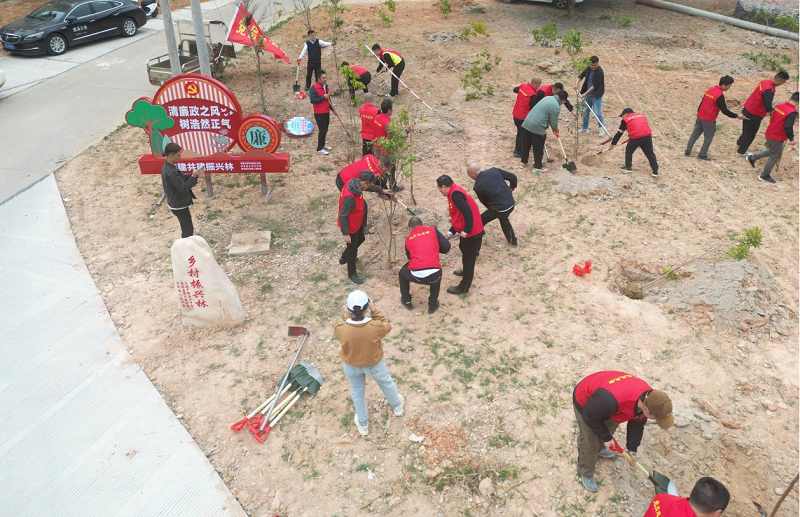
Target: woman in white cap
{"x": 362, "y": 353}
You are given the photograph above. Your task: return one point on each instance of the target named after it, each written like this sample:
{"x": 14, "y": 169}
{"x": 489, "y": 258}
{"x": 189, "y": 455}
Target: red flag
{"x": 237, "y": 33}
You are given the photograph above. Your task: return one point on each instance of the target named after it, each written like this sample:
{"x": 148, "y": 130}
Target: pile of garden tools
{"x": 299, "y": 379}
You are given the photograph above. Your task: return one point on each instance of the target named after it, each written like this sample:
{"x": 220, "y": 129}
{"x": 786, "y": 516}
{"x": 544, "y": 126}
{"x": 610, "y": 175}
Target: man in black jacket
{"x": 314, "y": 48}
{"x": 423, "y": 246}
{"x": 496, "y": 196}
{"x": 592, "y": 92}
{"x": 178, "y": 188}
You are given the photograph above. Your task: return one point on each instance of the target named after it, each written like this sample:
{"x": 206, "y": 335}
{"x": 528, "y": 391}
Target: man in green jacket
{"x": 543, "y": 115}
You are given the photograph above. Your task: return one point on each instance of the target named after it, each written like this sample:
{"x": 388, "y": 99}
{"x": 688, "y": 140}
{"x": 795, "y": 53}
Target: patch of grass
{"x": 445, "y": 7}
{"x": 346, "y": 420}
{"x": 318, "y": 277}
{"x": 671, "y": 275}
{"x": 216, "y": 366}
{"x": 624, "y": 21}
{"x": 665, "y": 68}
{"x": 768, "y": 60}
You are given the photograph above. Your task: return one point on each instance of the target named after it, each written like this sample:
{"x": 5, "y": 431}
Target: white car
{"x": 561, "y": 4}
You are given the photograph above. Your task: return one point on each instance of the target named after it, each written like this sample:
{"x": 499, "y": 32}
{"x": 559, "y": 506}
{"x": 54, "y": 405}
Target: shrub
{"x": 545, "y": 36}
{"x": 475, "y": 29}
{"x": 445, "y": 7}
{"x": 750, "y": 238}
{"x": 385, "y": 18}
{"x": 624, "y": 21}
{"x": 391, "y": 5}
{"x": 473, "y": 80}
{"x": 787, "y": 23}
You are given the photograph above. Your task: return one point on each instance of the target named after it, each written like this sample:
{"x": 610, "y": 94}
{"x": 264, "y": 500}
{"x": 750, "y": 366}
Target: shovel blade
{"x": 296, "y": 88}
{"x": 570, "y": 166}
{"x": 663, "y": 484}
{"x": 298, "y": 331}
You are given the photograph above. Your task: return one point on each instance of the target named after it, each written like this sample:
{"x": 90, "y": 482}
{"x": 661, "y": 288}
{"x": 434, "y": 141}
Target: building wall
{"x": 778, "y": 7}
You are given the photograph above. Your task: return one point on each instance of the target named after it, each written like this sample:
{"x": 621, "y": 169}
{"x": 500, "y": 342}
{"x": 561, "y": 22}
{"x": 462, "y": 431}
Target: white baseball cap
{"x": 357, "y": 299}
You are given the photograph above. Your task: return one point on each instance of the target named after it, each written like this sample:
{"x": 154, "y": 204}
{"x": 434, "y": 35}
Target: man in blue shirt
{"x": 592, "y": 92}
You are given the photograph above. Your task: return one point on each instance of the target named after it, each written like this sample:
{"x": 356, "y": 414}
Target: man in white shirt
{"x": 314, "y": 48}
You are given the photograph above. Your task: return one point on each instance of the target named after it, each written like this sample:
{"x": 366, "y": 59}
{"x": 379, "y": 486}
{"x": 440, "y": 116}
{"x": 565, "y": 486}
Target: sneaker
{"x": 433, "y": 308}
{"x": 457, "y": 289}
{"x": 704, "y": 157}
{"x": 342, "y": 260}
{"x": 606, "y": 453}
{"x": 398, "y": 411}
{"x": 356, "y": 279}
{"x": 513, "y": 242}
{"x": 323, "y": 152}
{"x": 625, "y": 169}
{"x": 583, "y": 131}
{"x": 458, "y": 272}
{"x": 364, "y": 431}
{"x": 750, "y": 160}
{"x": 522, "y": 165}
{"x": 328, "y": 148}
{"x": 407, "y": 304}
{"x": 601, "y": 133}
{"x": 654, "y": 174}
{"x": 540, "y": 170}
{"x": 516, "y": 154}
{"x": 589, "y": 483}
{"x": 687, "y": 153}
{"x": 746, "y": 153}
{"x": 768, "y": 179}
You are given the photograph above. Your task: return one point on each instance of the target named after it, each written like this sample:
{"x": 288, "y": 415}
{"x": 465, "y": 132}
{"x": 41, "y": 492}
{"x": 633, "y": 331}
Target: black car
{"x": 60, "y": 24}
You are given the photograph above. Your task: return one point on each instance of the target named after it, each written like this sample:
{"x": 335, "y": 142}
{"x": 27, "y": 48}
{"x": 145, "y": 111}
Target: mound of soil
{"x": 438, "y": 38}
{"x": 565, "y": 182}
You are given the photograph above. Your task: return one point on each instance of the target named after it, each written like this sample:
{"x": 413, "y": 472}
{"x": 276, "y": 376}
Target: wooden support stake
{"x": 209, "y": 185}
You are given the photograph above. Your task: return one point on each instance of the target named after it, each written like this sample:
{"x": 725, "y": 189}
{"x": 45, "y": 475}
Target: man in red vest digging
{"x": 709, "y": 498}
{"x": 465, "y": 218}
{"x": 780, "y": 129}
{"x": 602, "y": 401}
{"x": 367, "y": 112}
{"x": 706, "y": 122}
{"x": 320, "y": 101}
{"x": 368, "y": 163}
{"x": 353, "y": 218}
{"x": 756, "y": 108}
{"x": 364, "y": 77}
{"x": 393, "y": 61}
{"x": 640, "y": 136}
{"x": 423, "y": 246}
{"x": 526, "y": 98}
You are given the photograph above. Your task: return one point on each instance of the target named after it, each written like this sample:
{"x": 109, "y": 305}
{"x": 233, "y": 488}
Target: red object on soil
{"x": 585, "y": 270}
{"x": 301, "y": 95}
{"x": 615, "y": 446}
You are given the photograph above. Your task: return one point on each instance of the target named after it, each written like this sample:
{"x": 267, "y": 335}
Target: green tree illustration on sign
{"x": 151, "y": 118}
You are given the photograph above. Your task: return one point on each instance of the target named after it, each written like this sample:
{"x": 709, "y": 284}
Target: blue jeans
{"x": 357, "y": 377}
{"x": 597, "y": 105}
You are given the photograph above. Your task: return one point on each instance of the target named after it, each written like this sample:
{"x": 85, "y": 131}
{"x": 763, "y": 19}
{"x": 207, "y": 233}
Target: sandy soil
{"x": 488, "y": 379}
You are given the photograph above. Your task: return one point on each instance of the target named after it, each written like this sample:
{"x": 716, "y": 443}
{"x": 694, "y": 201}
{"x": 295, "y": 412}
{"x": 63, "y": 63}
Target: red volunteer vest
{"x": 625, "y": 388}
{"x": 777, "y": 120}
{"x": 423, "y": 246}
{"x": 367, "y": 113}
{"x": 547, "y": 89}
{"x": 359, "y": 70}
{"x": 755, "y": 104}
{"x": 381, "y": 123}
{"x": 665, "y": 505}
{"x": 324, "y": 106}
{"x": 356, "y": 216}
{"x": 708, "y": 109}
{"x": 523, "y": 104}
{"x": 390, "y": 51}
{"x": 637, "y": 125}
{"x": 368, "y": 163}
{"x": 457, "y": 219}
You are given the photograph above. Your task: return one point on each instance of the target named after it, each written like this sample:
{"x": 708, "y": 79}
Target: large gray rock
{"x": 206, "y": 297}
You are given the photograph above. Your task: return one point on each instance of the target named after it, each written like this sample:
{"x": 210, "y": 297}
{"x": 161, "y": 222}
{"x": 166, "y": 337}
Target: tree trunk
{"x": 260, "y": 77}
{"x": 571, "y": 8}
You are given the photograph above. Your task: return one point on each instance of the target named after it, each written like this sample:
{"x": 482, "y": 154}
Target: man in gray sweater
{"x": 543, "y": 115}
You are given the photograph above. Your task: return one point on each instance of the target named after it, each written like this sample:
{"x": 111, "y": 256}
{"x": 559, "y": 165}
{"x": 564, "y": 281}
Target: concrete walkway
{"x": 84, "y": 431}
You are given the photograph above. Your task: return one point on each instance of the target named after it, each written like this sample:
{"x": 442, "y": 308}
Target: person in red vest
{"x": 367, "y": 112}
{"x": 353, "y": 218}
{"x": 423, "y": 246}
{"x": 382, "y": 120}
{"x": 369, "y": 163}
{"x": 706, "y": 122}
{"x": 549, "y": 90}
{"x": 526, "y": 98}
{"x": 321, "y": 102}
{"x": 709, "y": 498}
{"x": 602, "y": 401}
{"x": 639, "y": 135}
{"x": 756, "y": 108}
{"x": 780, "y": 129}
{"x": 393, "y": 61}
{"x": 364, "y": 77}
{"x": 465, "y": 218}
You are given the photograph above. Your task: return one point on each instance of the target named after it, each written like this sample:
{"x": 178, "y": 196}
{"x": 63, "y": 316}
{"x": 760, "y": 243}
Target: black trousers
{"x": 434, "y": 280}
{"x": 185, "y": 218}
{"x": 350, "y": 253}
{"x": 750, "y": 128}
{"x": 316, "y": 67}
{"x": 646, "y": 144}
{"x": 518, "y": 141}
{"x": 323, "y": 122}
{"x": 364, "y": 79}
{"x": 537, "y": 142}
{"x": 490, "y": 215}
{"x": 398, "y": 71}
{"x": 470, "y": 248}
{"x": 366, "y": 147}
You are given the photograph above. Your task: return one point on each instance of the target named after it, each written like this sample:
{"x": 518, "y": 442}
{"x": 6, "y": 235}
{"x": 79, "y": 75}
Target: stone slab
{"x": 250, "y": 243}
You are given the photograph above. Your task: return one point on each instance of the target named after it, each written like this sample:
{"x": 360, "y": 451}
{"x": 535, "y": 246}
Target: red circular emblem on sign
{"x": 192, "y": 89}
{"x": 259, "y": 133}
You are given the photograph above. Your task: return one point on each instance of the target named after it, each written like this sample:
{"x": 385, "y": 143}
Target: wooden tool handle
{"x": 287, "y": 408}
{"x": 262, "y": 406}
{"x": 641, "y": 468}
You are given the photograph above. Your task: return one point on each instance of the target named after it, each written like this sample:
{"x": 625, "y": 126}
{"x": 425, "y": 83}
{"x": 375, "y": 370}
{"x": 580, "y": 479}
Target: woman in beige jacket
{"x": 362, "y": 353}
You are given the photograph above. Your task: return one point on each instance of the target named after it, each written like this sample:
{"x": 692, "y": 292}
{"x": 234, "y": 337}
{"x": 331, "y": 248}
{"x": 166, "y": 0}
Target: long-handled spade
{"x": 307, "y": 379}
{"x": 412, "y": 211}
{"x": 256, "y": 416}
{"x": 570, "y": 166}
{"x": 296, "y": 87}
{"x": 661, "y": 483}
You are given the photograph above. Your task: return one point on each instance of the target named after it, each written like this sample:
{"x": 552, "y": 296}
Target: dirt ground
{"x": 488, "y": 378}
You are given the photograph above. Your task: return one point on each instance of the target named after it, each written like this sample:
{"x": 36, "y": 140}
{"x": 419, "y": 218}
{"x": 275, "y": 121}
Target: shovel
{"x": 570, "y": 166}
{"x": 307, "y": 379}
{"x": 547, "y": 153}
{"x": 661, "y": 483}
{"x": 293, "y": 332}
{"x": 296, "y": 87}
{"x": 412, "y": 211}
{"x": 607, "y": 149}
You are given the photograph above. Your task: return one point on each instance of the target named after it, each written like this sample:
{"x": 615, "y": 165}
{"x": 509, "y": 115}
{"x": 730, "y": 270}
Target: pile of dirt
{"x": 740, "y": 66}
{"x": 447, "y": 63}
{"x": 565, "y": 182}
{"x": 735, "y": 293}
{"x": 441, "y": 37}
